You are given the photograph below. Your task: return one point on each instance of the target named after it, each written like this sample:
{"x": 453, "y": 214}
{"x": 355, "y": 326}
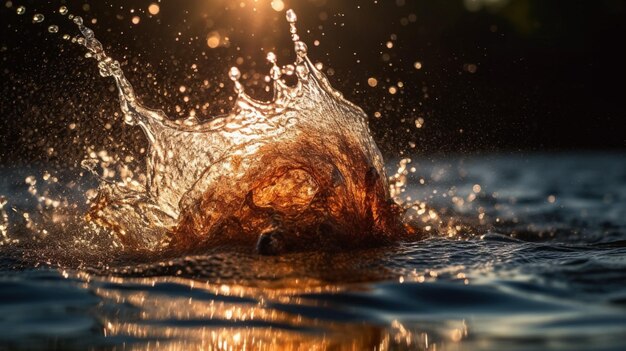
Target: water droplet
{"x": 21, "y": 10}
{"x": 38, "y": 18}
{"x": 291, "y": 16}
{"x": 234, "y": 73}
{"x": 277, "y": 5}
{"x": 154, "y": 9}
{"x": 301, "y": 48}
{"x": 271, "y": 57}
{"x": 78, "y": 20}
{"x": 66, "y": 37}
{"x": 419, "y": 123}
{"x": 302, "y": 71}
{"x": 53, "y": 29}
{"x": 213, "y": 40}
{"x": 275, "y": 72}
{"x": 63, "y": 10}
{"x": 289, "y": 69}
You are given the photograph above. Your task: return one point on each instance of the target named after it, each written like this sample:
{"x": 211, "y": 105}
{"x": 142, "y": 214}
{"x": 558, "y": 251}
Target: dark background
{"x": 519, "y": 75}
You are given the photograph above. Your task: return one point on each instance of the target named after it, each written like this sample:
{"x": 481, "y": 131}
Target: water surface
{"x": 540, "y": 263}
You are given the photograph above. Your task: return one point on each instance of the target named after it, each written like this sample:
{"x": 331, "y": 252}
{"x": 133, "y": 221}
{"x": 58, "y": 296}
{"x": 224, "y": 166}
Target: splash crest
{"x": 299, "y": 172}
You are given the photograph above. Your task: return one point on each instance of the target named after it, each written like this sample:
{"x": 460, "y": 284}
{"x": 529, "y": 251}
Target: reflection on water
{"x": 561, "y": 287}
{"x": 436, "y": 310}
{"x": 189, "y": 314}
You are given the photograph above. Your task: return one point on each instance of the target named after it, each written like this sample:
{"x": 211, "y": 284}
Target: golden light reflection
{"x": 181, "y": 314}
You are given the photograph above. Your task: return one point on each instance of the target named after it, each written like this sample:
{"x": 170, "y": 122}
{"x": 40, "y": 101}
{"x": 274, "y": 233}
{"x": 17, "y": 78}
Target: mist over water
{"x": 160, "y": 248}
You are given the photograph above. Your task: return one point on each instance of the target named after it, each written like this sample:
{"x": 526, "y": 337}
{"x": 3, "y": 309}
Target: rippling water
{"x": 543, "y": 268}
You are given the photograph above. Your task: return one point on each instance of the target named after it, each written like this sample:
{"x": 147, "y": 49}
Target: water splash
{"x": 4, "y": 220}
{"x": 298, "y": 172}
